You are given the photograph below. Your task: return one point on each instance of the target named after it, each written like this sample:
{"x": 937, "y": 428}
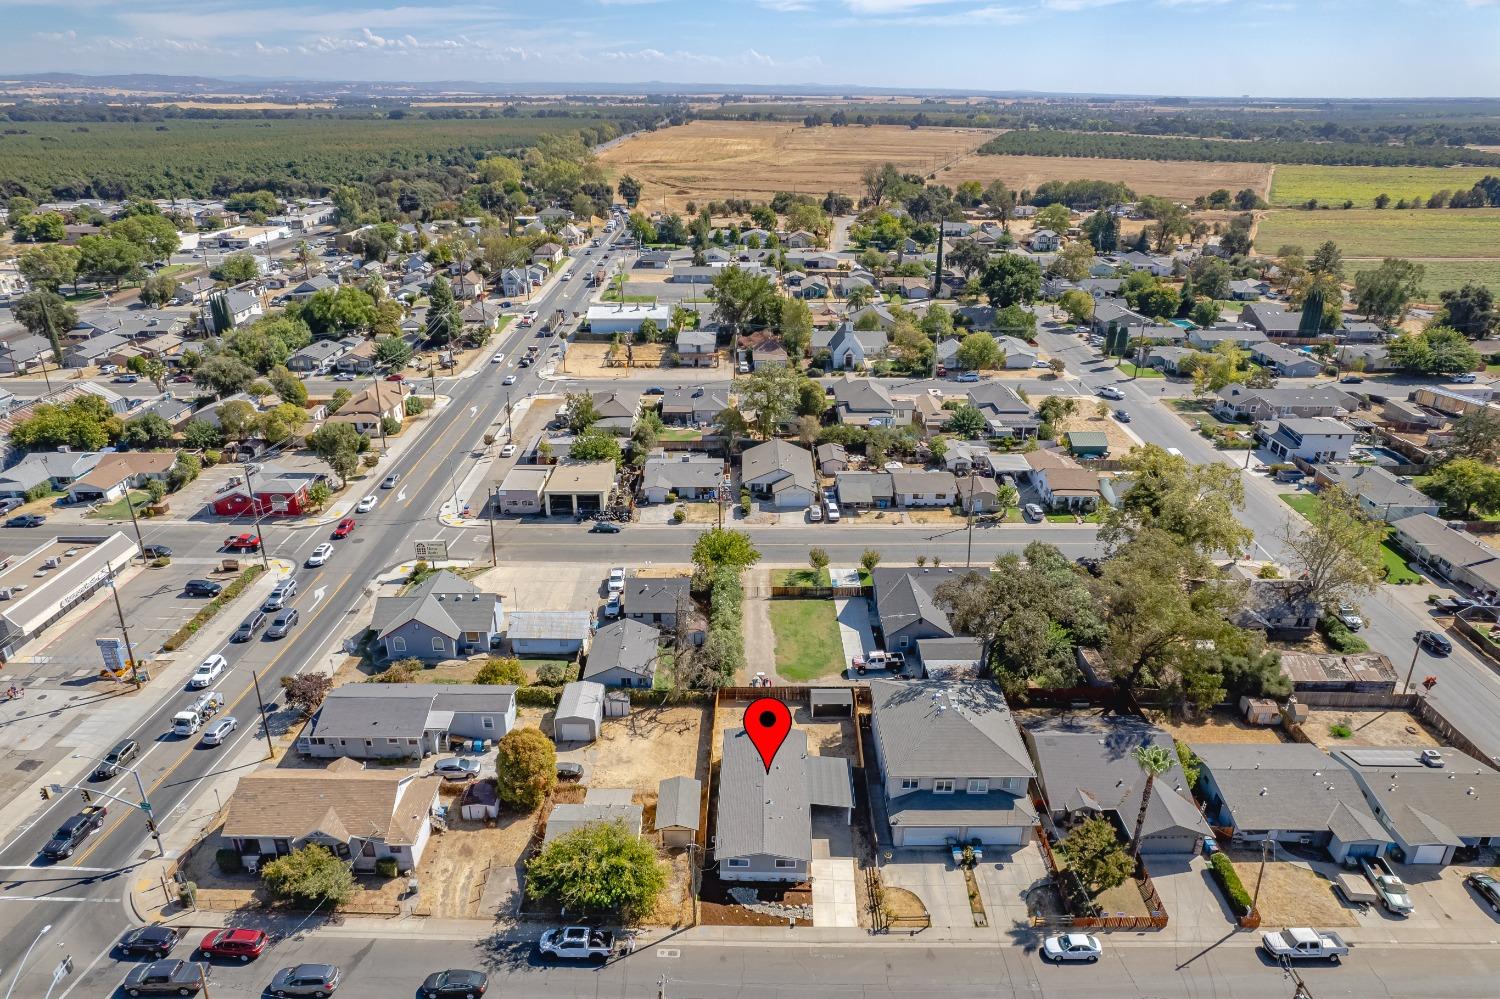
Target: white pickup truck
{"x": 578, "y": 943}
{"x": 1391, "y": 889}
{"x": 1302, "y": 944}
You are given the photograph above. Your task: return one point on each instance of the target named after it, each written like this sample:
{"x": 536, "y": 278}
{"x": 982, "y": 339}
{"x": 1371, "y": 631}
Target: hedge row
{"x": 547, "y": 697}
{"x": 218, "y": 603}
{"x": 1229, "y": 883}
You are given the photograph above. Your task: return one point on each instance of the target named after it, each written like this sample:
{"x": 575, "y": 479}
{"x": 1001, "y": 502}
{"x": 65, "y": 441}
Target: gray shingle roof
{"x": 677, "y": 803}
{"x": 905, "y": 596}
{"x": 390, "y": 711}
{"x": 655, "y": 596}
{"x": 931, "y": 728}
{"x": 623, "y": 644}
{"x": 1292, "y": 786}
{"x": 770, "y": 813}
{"x": 1430, "y": 804}
{"x": 1375, "y": 485}
{"x": 446, "y": 603}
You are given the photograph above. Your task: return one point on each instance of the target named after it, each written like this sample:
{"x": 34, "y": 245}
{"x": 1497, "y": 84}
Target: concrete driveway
{"x": 931, "y": 876}
{"x": 1005, "y": 877}
{"x": 1195, "y": 908}
{"x": 833, "y": 872}
{"x": 854, "y": 627}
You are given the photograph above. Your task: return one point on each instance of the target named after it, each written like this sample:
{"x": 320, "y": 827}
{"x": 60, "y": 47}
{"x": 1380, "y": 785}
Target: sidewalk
{"x": 479, "y": 472}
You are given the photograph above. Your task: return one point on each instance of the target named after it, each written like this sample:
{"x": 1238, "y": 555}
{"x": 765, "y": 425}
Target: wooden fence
{"x": 1149, "y": 895}
{"x": 790, "y": 693}
{"x": 1356, "y": 699}
{"x": 819, "y": 592}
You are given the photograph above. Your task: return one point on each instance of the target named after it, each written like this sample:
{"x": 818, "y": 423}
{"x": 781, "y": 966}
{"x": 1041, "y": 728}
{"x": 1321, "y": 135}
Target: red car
{"x": 249, "y": 542}
{"x": 242, "y": 944}
{"x": 345, "y": 528}
{"x": 395, "y": 376}
{"x": 183, "y": 379}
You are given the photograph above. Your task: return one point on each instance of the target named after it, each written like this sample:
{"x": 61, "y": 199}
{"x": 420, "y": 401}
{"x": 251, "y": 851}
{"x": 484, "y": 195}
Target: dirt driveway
{"x": 1366, "y": 728}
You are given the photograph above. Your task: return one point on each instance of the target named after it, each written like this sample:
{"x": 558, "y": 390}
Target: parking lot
{"x": 558, "y": 587}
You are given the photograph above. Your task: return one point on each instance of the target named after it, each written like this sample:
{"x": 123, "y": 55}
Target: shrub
{"x": 556, "y": 674}
{"x": 213, "y": 607}
{"x": 1269, "y": 571}
{"x": 1340, "y": 731}
{"x": 502, "y": 671}
{"x": 386, "y": 867}
{"x": 400, "y": 671}
{"x": 538, "y": 697}
{"x": 228, "y": 861}
{"x": 414, "y": 405}
{"x": 599, "y": 868}
{"x": 309, "y": 877}
{"x": 1229, "y": 883}
{"x": 1340, "y": 638}
{"x": 525, "y": 768}
{"x": 679, "y": 515}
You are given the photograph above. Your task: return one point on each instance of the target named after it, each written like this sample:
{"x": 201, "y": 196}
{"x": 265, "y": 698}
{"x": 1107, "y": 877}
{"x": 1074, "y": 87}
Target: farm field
{"x": 1183, "y": 179}
{"x": 1441, "y": 275}
{"x": 710, "y": 160}
{"x": 1294, "y": 185}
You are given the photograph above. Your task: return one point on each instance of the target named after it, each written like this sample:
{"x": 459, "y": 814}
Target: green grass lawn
{"x": 118, "y": 509}
{"x": 173, "y": 270}
{"x": 807, "y": 639}
{"x": 1131, "y": 369}
{"x": 1068, "y": 518}
{"x": 614, "y": 296}
{"x": 1294, "y": 185}
{"x": 801, "y": 577}
{"x": 865, "y": 579}
{"x": 1396, "y": 569}
{"x": 1303, "y": 503}
{"x": 679, "y": 434}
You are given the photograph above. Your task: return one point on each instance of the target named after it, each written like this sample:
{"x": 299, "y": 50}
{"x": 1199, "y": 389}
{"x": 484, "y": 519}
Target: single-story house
{"x": 919, "y": 488}
{"x": 627, "y": 317}
{"x": 952, "y": 764}
{"x": 696, "y": 406}
{"x": 1085, "y": 769}
{"x": 520, "y": 492}
{"x": 1381, "y": 495}
{"x": 549, "y": 633}
{"x": 963, "y": 457}
{"x": 1290, "y": 793}
{"x": 1004, "y": 410}
{"x": 362, "y": 816}
{"x": 1356, "y": 673}
{"x": 656, "y": 600}
{"x": 1018, "y": 353}
{"x": 832, "y": 458}
{"x": 580, "y": 712}
{"x": 979, "y": 494}
{"x": 1433, "y": 802}
{"x": 116, "y": 473}
{"x": 277, "y": 493}
{"x": 678, "y": 805}
{"x": 1241, "y": 403}
{"x": 1281, "y": 608}
{"x": 357, "y": 360}
{"x": 865, "y": 490}
{"x": 443, "y": 617}
{"x": 763, "y": 828}
{"x": 368, "y": 408}
{"x": 623, "y": 654}
{"x": 861, "y": 402}
{"x": 1088, "y": 443}
{"x": 780, "y": 472}
{"x": 618, "y": 410}
{"x": 683, "y": 474}
{"x": 1286, "y": 363}
{"x": 906, "y": 605}
{"x": 320, "y": 355}
{"x": 1452, "y": 554}
{"x": 1271, "y": 319}
{"x": 390, "y": 721}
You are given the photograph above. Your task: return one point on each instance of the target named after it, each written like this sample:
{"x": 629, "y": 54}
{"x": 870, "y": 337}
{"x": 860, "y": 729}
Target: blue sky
{"x": 1337, "y": 48}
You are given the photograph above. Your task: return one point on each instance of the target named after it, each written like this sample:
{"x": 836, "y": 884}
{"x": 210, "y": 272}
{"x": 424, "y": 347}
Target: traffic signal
{"x": 84, "y": 794}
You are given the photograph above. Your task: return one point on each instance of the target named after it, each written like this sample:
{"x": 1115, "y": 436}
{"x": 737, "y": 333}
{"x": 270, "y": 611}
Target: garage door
{"x": 1430, "y": 854}
{"x": 1180, "y": 845}
{"x": 996, "y": 835}
{"x": 927, "y": 837}
{"x": 575, "y": 732}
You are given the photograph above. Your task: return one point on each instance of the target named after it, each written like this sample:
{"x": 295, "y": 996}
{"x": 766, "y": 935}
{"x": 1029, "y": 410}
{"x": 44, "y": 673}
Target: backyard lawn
{"x": 1396, "y": 569}
{"x": 807, "y": 639}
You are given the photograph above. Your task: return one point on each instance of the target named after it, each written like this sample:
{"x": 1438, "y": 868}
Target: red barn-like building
{"x": 275, "y": 495}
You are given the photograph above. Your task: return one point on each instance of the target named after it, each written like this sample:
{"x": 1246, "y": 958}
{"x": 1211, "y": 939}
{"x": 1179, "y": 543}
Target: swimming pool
{"x": 1379, "y": 455}
{"x": 1186, "y": 324}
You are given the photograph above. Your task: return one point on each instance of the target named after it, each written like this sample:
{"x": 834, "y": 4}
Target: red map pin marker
{"x": 767, "y": 722}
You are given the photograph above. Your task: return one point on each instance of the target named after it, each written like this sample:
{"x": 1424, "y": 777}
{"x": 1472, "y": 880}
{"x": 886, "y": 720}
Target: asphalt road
{"x": 65, "y": 896}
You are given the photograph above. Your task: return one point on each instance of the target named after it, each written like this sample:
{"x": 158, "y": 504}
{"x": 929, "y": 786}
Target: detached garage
{"x": 580, "y": 712}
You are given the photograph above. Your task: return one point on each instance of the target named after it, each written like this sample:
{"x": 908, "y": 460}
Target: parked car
{"x": 577, "y": 943}
{"x": 166, "y": 978}
{"x": 389, "y": 482}
{"x": 215, "y": 734}
{"x": 320, "y": 554}
{"x": 569, "y": 771}
{"x": 242, "y": 945}
{"x": 1072, "y": 947}
{"x": 507, "y": 451}
{"x": 74, "y": 831}
{"x": 156, "y": 551}
{"x": 1434, "y": 643}
{"x": 126, "y": 379}
{"x": 1034, "y": 511}
{"x": 1303, "y": 944}
{"x": 342, "y": 376}
{"x": 815, "y": 514}
{"x": 155, "y": 941}
{"x": 395, "y": 376}
{"x": 367, "y": 504}
{"x": 306, "y": 980}
{"x": 604, "y": 527}
{"x": 1351, "y": 379}
{"x": 1486, "y": 887}
{"x": 967, "y": 376}
{"x": 283, "y": 623}
{"x": 26, "y": 520}
{"x": 1452, "y": 605}
{"x": 344, "y": 528}
{"x": 124, "y": 751}
{"x": 612, "y": 606}
{"x": 1467, "y": 378}
{"x": 455, "y": 984}
{"x": 1122, "y": 415}
{"x": 208, "y": 671}
{"x": 457, "y": 768}
{"x": 249, "y": 626}
{"x": 1390, "y": 888}
{"x": 202, "y": 588}
{"x": 617, "y": 580}
{"x": 1350, "y": 617}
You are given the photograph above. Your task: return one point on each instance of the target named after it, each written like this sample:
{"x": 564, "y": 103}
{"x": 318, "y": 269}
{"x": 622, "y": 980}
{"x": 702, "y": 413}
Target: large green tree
{"x": 1385, "y": 292}
{"x": 50, "y": 266}
{"x": 525, "y": 768}
{"x": 310, "y": 877}
{"x": 1194, "y": 503}
{"x": 601, "y": 868}
{"x": 1011, "y": 279}
{"x": 337, "y": 445}
{"x": 1465, "y": 485}
{"x": 1093, "y": 852}
{"x": 1337, "y": 553}
{"x": 45, "y": 314}
{"x": 771, "y": 392}
{"x": 1470, "y": 310}
{"x": 744, "y": 301}
{"x": 718, "y": 547}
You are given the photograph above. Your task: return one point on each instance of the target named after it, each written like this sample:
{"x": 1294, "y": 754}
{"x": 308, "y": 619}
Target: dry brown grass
{"x": 1370, "y": 728}
{"x": 1216, "y": 728}
{"x": 1292, "y": 895}
{"x": 1089, "y": 421}
{"x": 824, "y": 737}
{"x": 648, "y": 746}
{"x": 587, "y": 360}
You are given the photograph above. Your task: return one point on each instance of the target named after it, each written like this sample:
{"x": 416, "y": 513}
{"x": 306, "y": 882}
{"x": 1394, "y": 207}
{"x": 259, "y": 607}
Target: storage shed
{"x": 580, "y": 712}
{"x": 832, "y": 701}
{"x": 678, "y": 801}
{"x": 480, "y": 801}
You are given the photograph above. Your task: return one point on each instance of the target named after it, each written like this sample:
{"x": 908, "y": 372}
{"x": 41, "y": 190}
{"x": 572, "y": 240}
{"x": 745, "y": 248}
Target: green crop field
{"x": 201, "y": 157}
{"x": 1444, "y": 232}
{"x": 1333, "y": 185}
{"x": 1442, "y": 275}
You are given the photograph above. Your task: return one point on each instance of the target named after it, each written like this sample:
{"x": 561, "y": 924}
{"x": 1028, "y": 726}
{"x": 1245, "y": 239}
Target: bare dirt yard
{"x": 1171, "y": 179}
{"x": 589, "y": 360}
{"x": 1087, "y": 420}
{"x": 1366, "y": 728}
{"x": 825, "y": 737}
{"x": 1216, "y": 727}
{"x": 709, "y": 160}
{"x": 650, "y": 745}
{"x": 1291, "y": 894}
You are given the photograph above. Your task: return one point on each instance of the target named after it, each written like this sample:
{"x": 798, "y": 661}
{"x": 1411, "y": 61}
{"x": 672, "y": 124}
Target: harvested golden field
{"x": 708, "y": 160}
{"x": 1181, "y": 179}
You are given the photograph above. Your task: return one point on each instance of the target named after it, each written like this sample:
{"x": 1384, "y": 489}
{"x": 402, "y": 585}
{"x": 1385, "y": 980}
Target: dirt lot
{"x": 562, "y": 587}
{"x": 1217, "y": 727}
{"x": 1172, "y": 179}
{"x": 824, "y": 738}
{"x": 1369, "y": 728}
{"x": 708, "y": 160}
{"x": 1088, "y": 420}
{"x": 1290, "y": 894}
{"x": 586, "y": 360}
{"x": 649, "y": 746}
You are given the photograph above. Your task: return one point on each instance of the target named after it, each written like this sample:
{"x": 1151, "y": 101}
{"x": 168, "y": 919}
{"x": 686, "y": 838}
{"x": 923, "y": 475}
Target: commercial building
{"x": 38, "y": 588}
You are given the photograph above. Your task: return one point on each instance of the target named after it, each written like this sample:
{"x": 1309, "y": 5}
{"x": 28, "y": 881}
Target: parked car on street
{"x": 1072, "y": 947}
{"x": 1303, "y": 944}
{"x": 166, "y": 978}
{"x": 577, "y": 943}
{"x": 455, "y": 984}
{"x": 26, "y": 520}
{"x": 242, "y": 944}
{"x": 1434, "y": 643}
{"x": 604, "y": 527}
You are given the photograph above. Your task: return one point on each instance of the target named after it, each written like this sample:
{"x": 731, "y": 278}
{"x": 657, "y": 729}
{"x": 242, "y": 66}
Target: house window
{"x": 942, "y": 785}
{"x": 398, "y": 644}
{"x": 437, "y": 645}
{"x": 909, "y": 783}
{"x": 785, "y": 865}
{"x": 979, "y": 785}
{"x": 738, "y": 862}
{"x": 411, "y": 742}
{"x": 369, "y": 743}
{"x": 489, "y": 722}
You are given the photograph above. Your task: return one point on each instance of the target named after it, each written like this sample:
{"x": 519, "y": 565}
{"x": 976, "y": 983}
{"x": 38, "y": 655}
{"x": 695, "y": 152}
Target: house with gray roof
{"x": 763, "y": 827}
{"x": 549, "y": 633}
{"x": 1085, "y": 770}
{"x": 1004, "y": 410}
{"x": 953, "y": 765}
{"x": 683, "y": 474}
{"x": 1314, "y": 439}
{"x": 21, "y": 353}
{"x": 696, "y": 349}
{"x": 618, "y": 410}
{"x": 1451, "y": 554}
{"x": 919, "y": 487}
{"x": 781, "y": 473}
{"x": 320, "y": 354}
{"x": 1381, "y": 495}
{"x": 1241, "y": 403}
{"x": 1433, "y": 802}
{"x": 1288, "y": 792}
{"x": 678, "y": 804}
{"x": 60, "y": 469}
{"x": 861, "y": 402}
{"x": 444, "y": 617}
{"x": 865, "y": 490}
{"x": 906, "y": 605}
{"x": 389, "y": 721}
{"x": 1271, "y": 319}
{"x": 1281, "y": 608}
{"x": 1285, "y": 362}
{"x": 656, "y": 600}
{"x": 1242, "y": 336}
{"x": 623, "y": 654}
{"x": 1168, "y": 359}
{"x": 851, "y": 348}
{"x": 693, "y": 405}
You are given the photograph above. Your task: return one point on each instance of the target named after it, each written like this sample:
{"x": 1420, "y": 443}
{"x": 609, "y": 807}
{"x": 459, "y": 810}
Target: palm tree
{"x": 1153, "y": 761}
{"x": 304, "y": 257}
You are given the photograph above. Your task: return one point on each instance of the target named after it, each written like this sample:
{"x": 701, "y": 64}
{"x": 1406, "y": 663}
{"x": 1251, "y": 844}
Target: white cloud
{"x": 1068, "y": 6}
{"x": 785, "y": 6}
{"x": 891, "y": 6}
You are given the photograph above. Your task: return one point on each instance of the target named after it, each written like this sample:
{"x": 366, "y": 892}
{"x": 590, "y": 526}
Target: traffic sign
{"x": 432, "y": 551}
{"x": 116, "y": 660}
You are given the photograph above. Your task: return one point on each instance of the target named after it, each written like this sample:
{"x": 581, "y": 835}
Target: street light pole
{"x": 265, "y": 723}
{"x": 26, "y": 957}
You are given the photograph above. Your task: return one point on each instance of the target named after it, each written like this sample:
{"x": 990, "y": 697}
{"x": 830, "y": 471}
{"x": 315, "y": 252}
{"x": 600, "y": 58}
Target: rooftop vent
{"x": 1432, "y": 758}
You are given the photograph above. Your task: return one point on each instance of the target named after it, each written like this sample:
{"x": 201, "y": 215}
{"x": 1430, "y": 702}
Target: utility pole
{"x": 255, "y": 512}
{"x": 120, "y": 612}
{"x": 1265, "y": 847}
{"x": 375, "y": 381}
{"x": 1415, "y": 654}
{"x": 969, "y": 554}
{"x": 130, "y": 505}
{"x": 265, "y": 723}
{"x": 494, "y": 503}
